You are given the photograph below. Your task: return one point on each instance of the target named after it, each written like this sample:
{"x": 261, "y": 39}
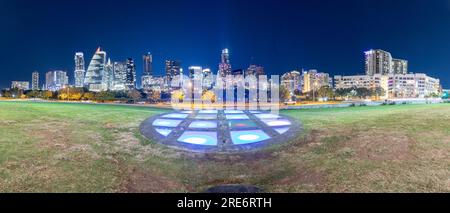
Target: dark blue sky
{"x": 281, "y": 35}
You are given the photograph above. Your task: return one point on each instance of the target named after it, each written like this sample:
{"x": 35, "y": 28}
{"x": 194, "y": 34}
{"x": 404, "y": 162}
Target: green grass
{"x": 55, "y": 147}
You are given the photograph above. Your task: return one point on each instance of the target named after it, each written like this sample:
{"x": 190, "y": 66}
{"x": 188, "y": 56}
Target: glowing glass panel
{"x": 164, "y": 132}
{"x": 176, "y": 115}
{"x": 166, "y": 123}
{"x": 282, "y": 130}
{"x": 203, "y": 124}
{"x": 233, "y": 112}
{"x": 199, "y": 138}
{"x": 267, "y": 116}
{"x": 277, "y": 122}
{"x": 237, "y": 117}
{"x": 206, "y": 116}
{"x": 236, "y": 124}
{"x": 208, "y": 111}
{"x": 246, "y": 137}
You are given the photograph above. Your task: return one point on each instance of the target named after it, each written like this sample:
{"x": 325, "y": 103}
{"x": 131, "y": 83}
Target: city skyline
{"x": 193, "y": 43}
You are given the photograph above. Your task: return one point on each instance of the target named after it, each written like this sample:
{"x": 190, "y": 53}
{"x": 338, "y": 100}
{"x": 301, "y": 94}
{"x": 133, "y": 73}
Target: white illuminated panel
{"x": 277, "y": 122}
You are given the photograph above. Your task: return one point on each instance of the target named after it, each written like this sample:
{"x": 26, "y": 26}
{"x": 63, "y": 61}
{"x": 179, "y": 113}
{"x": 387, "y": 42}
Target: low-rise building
{"x": 417, "y": 85}
{"x": 21, "y": 85}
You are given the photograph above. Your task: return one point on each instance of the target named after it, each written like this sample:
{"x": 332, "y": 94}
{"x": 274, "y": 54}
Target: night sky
{"x": 281, "y": 35}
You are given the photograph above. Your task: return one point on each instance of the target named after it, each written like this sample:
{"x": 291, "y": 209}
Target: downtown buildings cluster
{"x": 381, "y": 71}
{"x": 104, "y": 75}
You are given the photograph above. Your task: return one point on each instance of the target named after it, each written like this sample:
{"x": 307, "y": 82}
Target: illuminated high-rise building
{"x": 79, "y": 69}
{"x": 108, "y": 76}
{"x": 94, "y": 75}
{"x": 208, "y": 78}
{"x": 292, "y": 81}
{"x": 35, "y": 81}
{"x": 399, "y": 66}
{"x": 313, "y": 81}
{"x": 146, "y": 78}
{"x": 148, "y": 64}
{"x": 173, "y": 68}
{"x": 56, "y": 80}
{"x": 195, "y": 72}
{"x": 381, "y": 62}
{"x": 225, "y": 66}
{"x": 131, "y": 74}
{"x": 255, "y": 70}
{"x": 119, "y": 76}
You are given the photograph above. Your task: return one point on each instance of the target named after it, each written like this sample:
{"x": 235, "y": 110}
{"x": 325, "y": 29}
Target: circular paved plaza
{"x": 220, "y": 130}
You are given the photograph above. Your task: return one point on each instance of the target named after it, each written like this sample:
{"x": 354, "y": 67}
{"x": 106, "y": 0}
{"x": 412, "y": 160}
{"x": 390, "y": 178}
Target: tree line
{"x": 326, "y": 92}
{"x": 82, "y": 94}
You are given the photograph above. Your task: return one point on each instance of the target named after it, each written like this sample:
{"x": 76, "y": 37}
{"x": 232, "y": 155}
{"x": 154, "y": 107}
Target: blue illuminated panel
{"x": 176, "y": 115}
{"x": 187, "y": 112}
{"x": 277, "y": 122}
{"x": 199, "y": 138}
{"x": 255, "y": 112}
{"x": 246, "y": 137}
{"x": 236, "y": 124}
{"x": 281, "y": 130}
{"x": 206, "y": 116}
{"x": 267, "y": 116}
{"x": 166, "y": 123}
{"x": 237, "y": 117}
{"x": 208, "y": 111}
{"x": 164, "y": 132}
{"x": 203, "y": 125}
{"x": 233, "y": 112}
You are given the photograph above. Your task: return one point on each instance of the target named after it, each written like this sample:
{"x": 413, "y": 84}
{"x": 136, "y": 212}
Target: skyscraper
{"x": 131, "y": 74}
{"x": 313, "y": 81}
{"x": 56, "y": 80}
{"x": 35, "y": 81}
{"x": 292, "y": 81}
{"x": 79, "y": 69}
{"x": 381, "y": 62}
{"x": 120, "y": 75}
{"x": 378, "y": 62}
{"x": 148, "y": 64}
{"x": 146, "y": 80}
{"x": 225, "y": 66}
{"x": 195, "y": 72}
{"x": 108, "y": 75}
{"x": 208, "y": 78}
{"x": 94, "y": 75}
{"x": 399, "y": 66}
{"x": 173, "y": 68}
{"x": 255, "y": 70}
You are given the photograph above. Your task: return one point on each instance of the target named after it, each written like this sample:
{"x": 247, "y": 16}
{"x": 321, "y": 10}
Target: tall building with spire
{"x": 35, "y": 81}
{"x": 225, "y": 66}
{"x": 146, "y": 79}
{"x": 148, "y": 64}
{"x": 94, "y": 75}
{"x": 79, "y": 69}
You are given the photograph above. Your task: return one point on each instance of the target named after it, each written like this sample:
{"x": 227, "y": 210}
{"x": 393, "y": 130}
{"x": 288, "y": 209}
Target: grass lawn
{"x": 56, "y": 147}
